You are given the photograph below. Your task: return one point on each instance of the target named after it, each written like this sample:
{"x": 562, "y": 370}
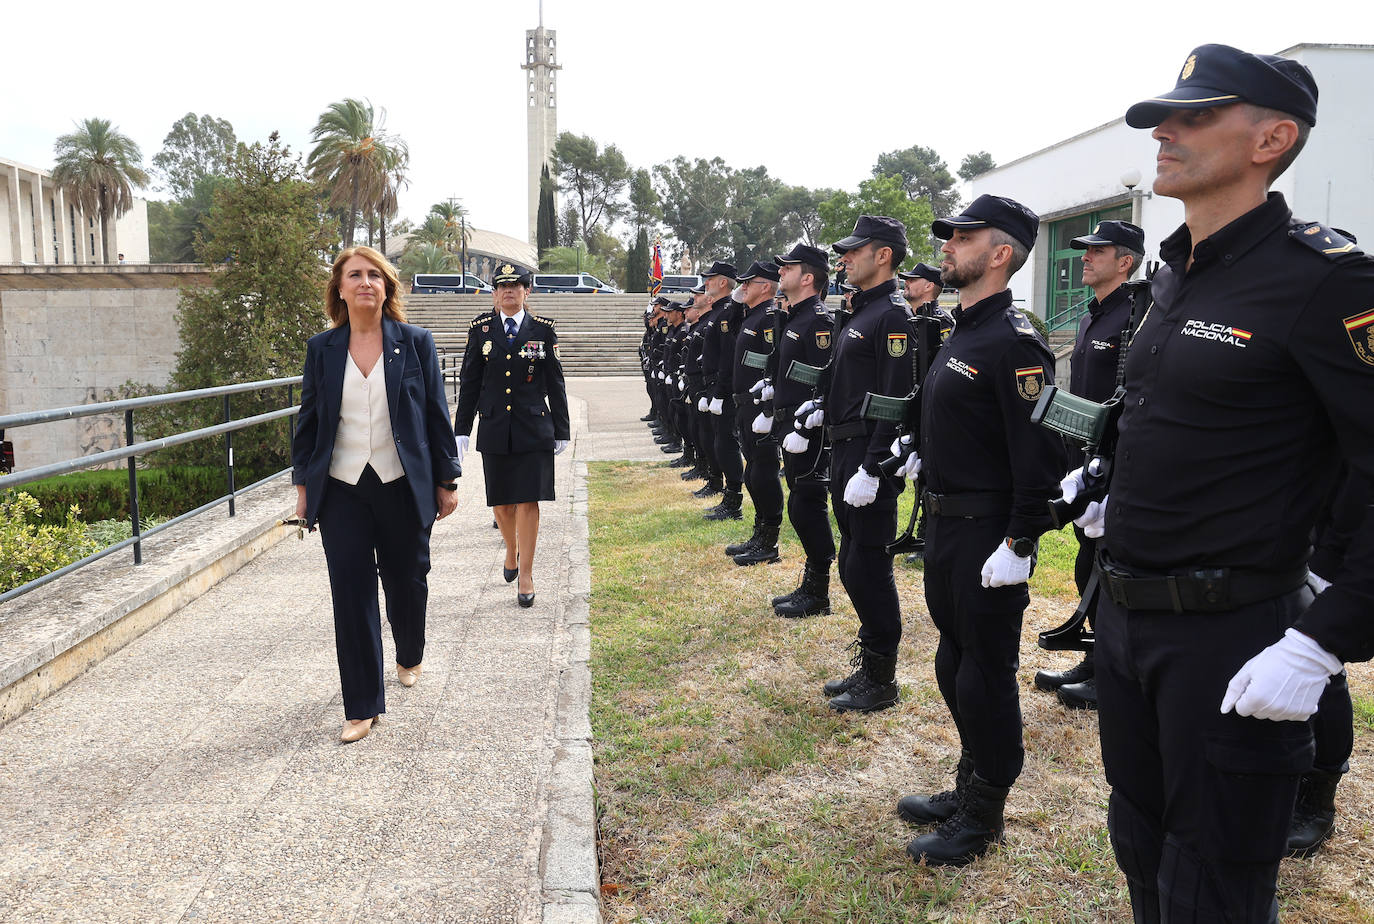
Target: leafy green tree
{"x": 797, "y": 205}
{"x": 569, "y": 226}
{"x": 98, "y": 168}
{"x": 172, "y": 226}
{"x": 644, "y": 208}
{"x": 546, "y": 219}
{"x": 696, "y": 197}
{"x": 592, "y": 178}
{"x": 434, "y": 232}
{"x": 637, "y": 264}
{"x": 924, "y": 176}
{"x": 885, "y": 195}
{"x": 268, "y": 231}
{"x": 759, "y": 226}
{"x": 357, "y": 161}
{"x": 974, "y": 164}
{"x": 427, "y": 258}
{"x": 574, "y": 259}
{"x": 197, "y": 146}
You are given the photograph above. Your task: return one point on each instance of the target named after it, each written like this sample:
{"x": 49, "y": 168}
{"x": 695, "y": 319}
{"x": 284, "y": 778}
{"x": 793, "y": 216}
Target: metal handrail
{"x": 1069, "y": 315}
{"x": 132, "y": 450}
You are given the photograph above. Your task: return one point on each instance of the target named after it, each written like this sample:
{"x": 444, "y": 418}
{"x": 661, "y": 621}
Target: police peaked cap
{"x": 1218, "y": 75}
{"x": 992, "y": 212}
{"x": 802, "y": 253}
{"x": 923, "y": 271}
{"x": 509, "y": 272}
{"x": 761, "y": 270}
{"x": 720, "y": 268}
{"x": 1122, "y": 233}
{"x": 877, "y": 228}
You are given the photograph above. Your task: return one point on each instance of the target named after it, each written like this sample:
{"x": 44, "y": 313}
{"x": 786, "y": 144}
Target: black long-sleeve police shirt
{"x": 808, "y": 338}
{"x": 755, "y": 336}
{"x": 872, "y": 353}
{"x": 1092, "y": 368}
{"x": 976, "y": 402}
{"x": 1252, "y": 374}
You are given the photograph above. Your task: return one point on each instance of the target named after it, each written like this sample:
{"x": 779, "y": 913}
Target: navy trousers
{"x": 368, "y": 529}
{"x": 865, "y": 568}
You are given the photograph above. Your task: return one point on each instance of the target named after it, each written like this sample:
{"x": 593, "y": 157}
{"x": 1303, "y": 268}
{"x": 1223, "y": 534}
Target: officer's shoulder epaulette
{"x": 548, "y": 321}
{"x": 1329, "y": 242}
{"x": 483, "y": 318}
{"x": 1022, "y": 324}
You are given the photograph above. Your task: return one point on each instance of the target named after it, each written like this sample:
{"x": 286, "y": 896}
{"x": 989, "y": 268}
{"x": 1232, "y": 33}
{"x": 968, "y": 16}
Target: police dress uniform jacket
{"x": 871, "y": 354}
{"x": 976, "y": 432}
{"x": 808, "y": 338}
{"x": 691, "y": 363}
{"x": 727, "y": 329}
{"x": 755, "y": 336}
{"x": 711, "y": 355}
{"x": 1250, "y": 377}
{"x": 516, "y": 389}
{"x": 1092, "y": 367}
{"x": 415, "y": 399}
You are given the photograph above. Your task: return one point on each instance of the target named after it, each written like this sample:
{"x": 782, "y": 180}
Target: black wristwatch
{"x": 1022, "y": 548}
{"x": 449, "y": 485}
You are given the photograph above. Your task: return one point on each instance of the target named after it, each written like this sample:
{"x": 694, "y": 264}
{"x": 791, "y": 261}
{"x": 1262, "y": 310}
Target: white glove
{"x": 795, "y": 443}
{"x": 462, "y": 448}
{"x": 702, "y": 404}
{"x": 717, "y": 406}
{"x": 1317, "y": 582}
{"x": 862, "y": 489}
{"x": 1284, "y": 681}
{"x": 1094, "y": 519}
{"x": 662, "y": 377}
{"x": 1005, "y": 568}
{"x": 1071, "y": 485}
{"x": 763, "y": 424}
{"x": 911, "y": 465}
{"x": 681, "y": 384}
{"x": 762, "y": 390}
{"x": 559, "y": 446}
{"x": 814, "y": 419}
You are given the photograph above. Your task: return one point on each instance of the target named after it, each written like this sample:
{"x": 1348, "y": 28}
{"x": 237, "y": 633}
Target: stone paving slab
{"x": 195, "y": 774}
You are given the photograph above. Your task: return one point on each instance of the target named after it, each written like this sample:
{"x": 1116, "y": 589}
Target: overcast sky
{"x": 814, "y": 92}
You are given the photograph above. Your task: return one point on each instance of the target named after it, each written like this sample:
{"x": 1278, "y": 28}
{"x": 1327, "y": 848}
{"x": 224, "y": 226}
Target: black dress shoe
{"x": 525, "y": 600}
{"x": 1079, "y": 695}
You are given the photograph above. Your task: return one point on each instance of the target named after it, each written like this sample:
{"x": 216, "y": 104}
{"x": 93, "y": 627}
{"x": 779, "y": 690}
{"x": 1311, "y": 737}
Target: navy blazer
{"x": 415, "y": 398}
{"x": 517, "y": 389}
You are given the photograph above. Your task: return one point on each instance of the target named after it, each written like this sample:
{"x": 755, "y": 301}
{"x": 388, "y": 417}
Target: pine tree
{"x": 637, "y": 264}
{"x": 546, "y": 223}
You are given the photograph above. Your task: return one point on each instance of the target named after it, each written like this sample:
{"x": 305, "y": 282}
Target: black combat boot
{"x": 764, "y": 550}
{"x": 969, "y": 832}
{"x": 711, "y": 488}
{"x": 694, "y": 472}
{"x": 649, "y": 417}
{"x": 731, "y": 507}
{"x": 663, "y": 437}
{"x": 929, "y": 810}
{"x": 1079, "y": 695}
{"x": 1050, "y": 681}
{"x": 781, "y": 598}
{"x": 1314, "y": 815}
{"x": 686, "y": 460}
{"x": 671, "y": 449}
{"x": 735, "y": 548}
{"x": 812, "y": 598}
{"x": 856, "y": 661}
{"x": 876, "y": 687}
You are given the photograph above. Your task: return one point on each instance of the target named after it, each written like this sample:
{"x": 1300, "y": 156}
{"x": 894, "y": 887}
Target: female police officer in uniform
{"x": 510, "y": 367}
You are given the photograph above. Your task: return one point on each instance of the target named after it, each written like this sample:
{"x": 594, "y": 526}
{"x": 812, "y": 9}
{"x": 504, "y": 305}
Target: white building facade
{"x": 38, "y": 225}
{"x": 1078, "y": 182}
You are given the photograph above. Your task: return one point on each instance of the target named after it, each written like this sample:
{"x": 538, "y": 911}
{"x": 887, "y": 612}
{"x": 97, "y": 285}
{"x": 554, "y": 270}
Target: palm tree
{"x": 356, "y": 159}
{"x": 453, "y": 216}
{"x": 98, "y": 168}
{"x": 426, "y": 258}
{"x": 435, "y": 232}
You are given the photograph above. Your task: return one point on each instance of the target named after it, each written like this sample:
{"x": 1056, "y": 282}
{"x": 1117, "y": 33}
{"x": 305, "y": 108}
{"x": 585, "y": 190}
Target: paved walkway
{"x": 196, "y": 775}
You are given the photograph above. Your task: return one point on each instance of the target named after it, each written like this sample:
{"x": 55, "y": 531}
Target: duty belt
{"x": 1194, "y": 589}
{"x": 847, "y": 431}
{"x": 969, "y": 504}
{"x": 742, "y": 396}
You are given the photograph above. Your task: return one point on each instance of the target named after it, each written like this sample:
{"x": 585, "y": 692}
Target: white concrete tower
{"x": 541, "y": 60}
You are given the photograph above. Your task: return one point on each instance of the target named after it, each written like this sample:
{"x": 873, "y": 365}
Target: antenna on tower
{"x": 541, "y": 14}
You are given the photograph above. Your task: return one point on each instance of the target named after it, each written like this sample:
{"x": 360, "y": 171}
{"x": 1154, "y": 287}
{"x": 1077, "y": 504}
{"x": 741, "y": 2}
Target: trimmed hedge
{"x": 104, "y": 494}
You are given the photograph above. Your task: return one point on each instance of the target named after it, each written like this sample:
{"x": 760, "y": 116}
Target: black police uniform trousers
{"x": 1201, "y": 802}
{"x": 705, "y": 437}
{"x": 727, "y": 446}
{"x": 365, "y": 529}
{"x": 865, "y": 568}
{"x": 760, "y": 464}
{"x": 1083, "y": 565}
{"x": 980, "y": 642}
{"x": 808, "y": 482}
{"x": 682, "y": 423}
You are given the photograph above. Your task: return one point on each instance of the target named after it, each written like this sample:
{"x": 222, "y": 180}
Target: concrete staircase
{"x": 597, "y": 334}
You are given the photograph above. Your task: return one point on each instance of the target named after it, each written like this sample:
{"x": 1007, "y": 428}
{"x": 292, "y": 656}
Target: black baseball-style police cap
{"x": 1112, "y": 232}
{"x": 804, "y": 253}
{"x": 923, "y": 271}
{"x": 720, "y": 268}
{"x": 1218, "y": 75}
{"x": 992, "y": 212}
{"x": 675, "y": 306}
{"x": 507, "y": 273}
{"x": 878, "y": 228}
{"x": 699, "y": 288}
{"x": 760, "y": 270}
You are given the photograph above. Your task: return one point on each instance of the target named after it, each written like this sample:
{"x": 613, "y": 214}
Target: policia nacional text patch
{"x": 1360, "y": 329}
{"x": 1030, "y": 381}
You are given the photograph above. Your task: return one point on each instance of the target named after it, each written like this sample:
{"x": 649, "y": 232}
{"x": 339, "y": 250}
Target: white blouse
{"x": 364, "y": 433}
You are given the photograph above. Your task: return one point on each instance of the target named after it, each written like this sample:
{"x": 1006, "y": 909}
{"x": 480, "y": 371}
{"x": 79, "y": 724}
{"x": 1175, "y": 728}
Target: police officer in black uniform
{"x": 808, "y": 337}
{"x": 756, "y": 340}
{"x": 703, "y": 462}
{"x": 1247, "y": 381}
{"x": 646, "y": 343}
{"x": 990, "y": 475}
{"x": 668, "y": 369}
{"x": 1111, "y": 255}
{"x": 717, "y": 363}
{"x": 870, "y": 356}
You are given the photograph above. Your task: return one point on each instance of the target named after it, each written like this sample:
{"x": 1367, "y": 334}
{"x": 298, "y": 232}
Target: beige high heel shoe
{"x": 357, "y": 731}
{"x": 408, "y": 675}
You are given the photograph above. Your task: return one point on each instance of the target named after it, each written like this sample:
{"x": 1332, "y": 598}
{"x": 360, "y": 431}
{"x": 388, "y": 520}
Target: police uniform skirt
{"x": 518, "y": 477}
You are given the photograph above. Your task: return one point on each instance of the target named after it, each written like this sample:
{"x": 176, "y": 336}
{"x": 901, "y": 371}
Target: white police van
{"x": 571, "y": 282}
{"x": 426, "y": 283}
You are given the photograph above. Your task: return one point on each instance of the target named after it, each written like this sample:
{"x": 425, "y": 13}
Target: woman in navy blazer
{"x": 374, "y": 462}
